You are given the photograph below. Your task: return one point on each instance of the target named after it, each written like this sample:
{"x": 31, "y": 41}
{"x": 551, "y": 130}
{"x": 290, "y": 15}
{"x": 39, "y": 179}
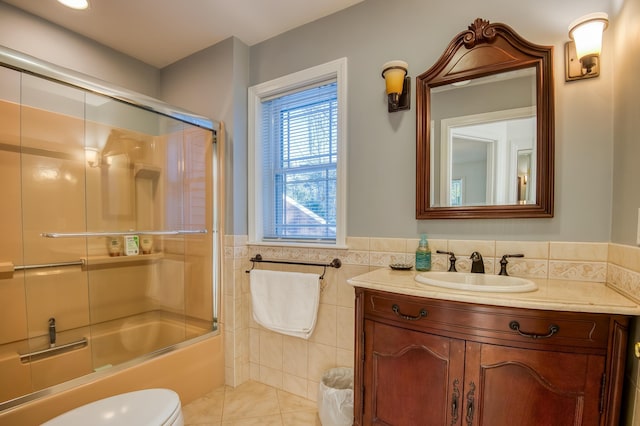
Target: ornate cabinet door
{"x": 527, "y": 387}
{"x": 411, "y": 378}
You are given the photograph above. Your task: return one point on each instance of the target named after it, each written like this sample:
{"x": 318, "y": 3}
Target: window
{"x": 296, "y": 157}
{"x": 456, "y": 192}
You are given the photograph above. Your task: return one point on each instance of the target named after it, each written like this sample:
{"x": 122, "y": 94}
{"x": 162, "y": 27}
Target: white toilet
{"x": 149, "y": 407}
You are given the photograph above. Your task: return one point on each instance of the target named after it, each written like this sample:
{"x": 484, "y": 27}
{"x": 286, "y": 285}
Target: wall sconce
{"x": 398, "y": 85}
{"x": 582, "y": 54}
{"x": 75, "y": 4}
{"x": 91, "y": 156}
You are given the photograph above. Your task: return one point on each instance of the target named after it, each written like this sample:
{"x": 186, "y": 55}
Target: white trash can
{"x": 335, "y": 397}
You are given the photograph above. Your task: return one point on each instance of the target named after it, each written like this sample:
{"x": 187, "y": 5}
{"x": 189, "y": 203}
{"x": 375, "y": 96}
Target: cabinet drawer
{"x": 491, "y": 324}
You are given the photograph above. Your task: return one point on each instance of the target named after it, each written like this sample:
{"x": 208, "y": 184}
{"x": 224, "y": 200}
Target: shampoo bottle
{"x": 423, "y": 255}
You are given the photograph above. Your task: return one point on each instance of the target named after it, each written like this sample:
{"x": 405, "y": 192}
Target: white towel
{"x": 285, "y": 302}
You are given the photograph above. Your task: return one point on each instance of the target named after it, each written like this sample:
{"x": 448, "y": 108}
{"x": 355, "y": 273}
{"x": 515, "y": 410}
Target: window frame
{"x": 256, "y": 94}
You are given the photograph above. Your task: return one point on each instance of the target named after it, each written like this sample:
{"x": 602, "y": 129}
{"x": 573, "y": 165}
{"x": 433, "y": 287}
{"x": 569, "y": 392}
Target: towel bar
{"x": 335, "y": 263}
{"x": 120, "y": 233}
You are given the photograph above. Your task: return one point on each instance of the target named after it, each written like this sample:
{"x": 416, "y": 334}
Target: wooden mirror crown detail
{"x": 484, "y": 50}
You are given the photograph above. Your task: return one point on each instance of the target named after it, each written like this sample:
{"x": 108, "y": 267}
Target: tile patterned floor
{"x": 250, "y": 404}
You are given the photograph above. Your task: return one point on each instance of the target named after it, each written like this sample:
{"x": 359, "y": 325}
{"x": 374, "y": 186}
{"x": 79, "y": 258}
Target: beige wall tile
{"x": 397, "y": 245}
{"x": 344, "y": 358}
{"x": 229, "y": 318}
{"x": 326, "y": 326}
{"x": 530, "y": 249}
{"x": 358, "y": 243}
{"x": 466, "y": 247}
{"x": 229, "y": 348}
{"x": 304, "y": 362}
{"x": 254, "y": 343}
{"x": 625, "y": 256}
{"x": 294, "y": 384}
{"x": 596, "y": 252}
{"x": 271, "y": 376}
{"x": 295, "y": 355}
{"x": 254, "y": 370}
{"x": 271, "y": 350}
{"x": 329, "y": 287}
{"x": 345, "y": 328}
{"x": 321, "y": 358}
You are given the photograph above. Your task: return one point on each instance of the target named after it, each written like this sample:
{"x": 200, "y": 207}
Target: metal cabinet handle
{"x": 454, "y": 403}
{"x": 470, "y": 403}
{"x": 553, "y": 329}
{"x": 396, "y": 310}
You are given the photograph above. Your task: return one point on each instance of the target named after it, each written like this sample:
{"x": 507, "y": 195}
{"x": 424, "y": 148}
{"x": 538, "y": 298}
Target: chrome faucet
{"x": 477, "y": 264}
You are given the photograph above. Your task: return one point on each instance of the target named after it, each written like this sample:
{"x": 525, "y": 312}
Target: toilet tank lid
{"x": 143, "y": 407}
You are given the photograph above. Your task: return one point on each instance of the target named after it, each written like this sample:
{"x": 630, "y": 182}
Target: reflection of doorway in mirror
{"x": 484, "y": 148}
{"x": 524, "y": 172}
{"x": 472, "y": 161}
{"x": 457, "y": 191}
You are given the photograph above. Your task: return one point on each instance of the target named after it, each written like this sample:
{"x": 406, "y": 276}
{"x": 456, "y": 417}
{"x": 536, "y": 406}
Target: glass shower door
{"x": 106, "y": 217}
{"x": 53, "y": 200}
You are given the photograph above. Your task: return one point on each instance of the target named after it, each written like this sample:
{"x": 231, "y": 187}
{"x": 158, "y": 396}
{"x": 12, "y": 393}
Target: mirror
{"x": 485, "y": 128}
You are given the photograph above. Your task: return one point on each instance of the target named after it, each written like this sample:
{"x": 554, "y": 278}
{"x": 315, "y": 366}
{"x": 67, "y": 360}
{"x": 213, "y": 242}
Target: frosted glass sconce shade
{"x": 582, "y": 54}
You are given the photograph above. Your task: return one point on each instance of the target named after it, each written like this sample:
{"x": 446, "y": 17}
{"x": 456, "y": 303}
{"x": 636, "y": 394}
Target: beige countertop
{"x": 554, "y": 295}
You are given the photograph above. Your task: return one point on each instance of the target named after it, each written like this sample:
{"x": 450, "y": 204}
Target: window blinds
{"x": 299, "y": 142}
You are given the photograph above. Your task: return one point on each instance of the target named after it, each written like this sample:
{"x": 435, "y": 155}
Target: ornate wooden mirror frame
{"x": 486, "y": 49}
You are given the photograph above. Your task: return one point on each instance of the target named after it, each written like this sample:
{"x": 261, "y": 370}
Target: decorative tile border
{"x": 578, "y": 271}
{"x": 625, "y": 281}
{"x": 617, "y": 265}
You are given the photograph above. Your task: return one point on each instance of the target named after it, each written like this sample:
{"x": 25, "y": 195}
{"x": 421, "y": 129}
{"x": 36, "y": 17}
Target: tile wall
{"x": 296, "y": 365}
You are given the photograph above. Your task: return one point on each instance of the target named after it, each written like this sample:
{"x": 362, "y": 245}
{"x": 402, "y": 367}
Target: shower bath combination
{"x": 93, "y": 165}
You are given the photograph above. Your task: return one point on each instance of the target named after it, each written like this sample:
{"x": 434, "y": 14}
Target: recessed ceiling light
{"x": 75, "y": 4}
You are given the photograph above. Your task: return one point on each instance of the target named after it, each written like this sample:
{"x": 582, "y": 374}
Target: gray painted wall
{"x": 213, "y": 82}
{"x": 381, "y": 146}
{"x": 626, "y": 107}
{"x": 36, "y": 37}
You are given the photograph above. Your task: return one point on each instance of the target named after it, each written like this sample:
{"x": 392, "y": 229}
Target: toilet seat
{"x": 152, "y": 407}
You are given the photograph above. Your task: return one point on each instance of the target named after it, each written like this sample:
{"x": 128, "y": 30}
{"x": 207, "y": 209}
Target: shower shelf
{"x": 106, "y": 260}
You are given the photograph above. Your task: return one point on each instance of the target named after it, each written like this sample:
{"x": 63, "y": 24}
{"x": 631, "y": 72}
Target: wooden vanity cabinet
{"x": 432, "y": 362}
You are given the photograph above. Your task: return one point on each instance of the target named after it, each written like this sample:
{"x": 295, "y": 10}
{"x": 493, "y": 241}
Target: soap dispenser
{"x": 423, "y": 255}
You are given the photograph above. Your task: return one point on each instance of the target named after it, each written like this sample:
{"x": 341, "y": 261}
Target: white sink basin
{"x": 476, "y": 282}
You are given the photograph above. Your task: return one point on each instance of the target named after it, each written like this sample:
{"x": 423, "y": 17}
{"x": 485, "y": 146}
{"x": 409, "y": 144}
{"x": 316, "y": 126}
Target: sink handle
{"x": 396, "y": 310}
{"x": 452, "y": 260}
{"x": 553, "y": 329}
{"x": 503, "y": 262}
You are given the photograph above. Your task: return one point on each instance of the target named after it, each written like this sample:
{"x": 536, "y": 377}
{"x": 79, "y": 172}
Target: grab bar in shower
{"x": 44, "y": 353}
{"x": 120, "y": 233}
{"x": 49, "y": 265}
